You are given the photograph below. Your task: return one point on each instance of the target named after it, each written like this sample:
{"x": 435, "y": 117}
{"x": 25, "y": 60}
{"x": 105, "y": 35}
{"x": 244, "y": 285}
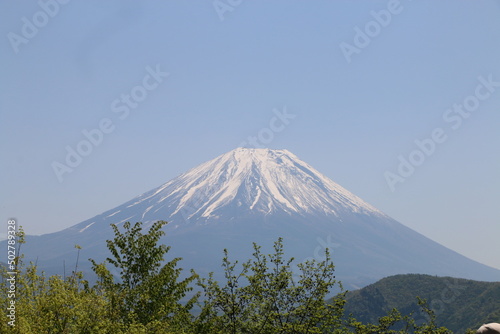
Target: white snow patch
{"x": 124, "y": 220}
{"x": 114, "y": 213}
{"x": 256, "y": 198}
{"x": 146, "y": 211}
{"x": 86, "y": 227}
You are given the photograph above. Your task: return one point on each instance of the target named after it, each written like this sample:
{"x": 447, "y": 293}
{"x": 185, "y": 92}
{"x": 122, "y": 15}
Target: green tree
{"x": 148, "y": 292}
{"x": 264, "y": 297}
{"x": 431, "y": 326}
{"x": 49, "y": 304}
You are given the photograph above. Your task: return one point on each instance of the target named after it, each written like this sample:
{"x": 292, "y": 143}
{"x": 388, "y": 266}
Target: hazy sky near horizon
{"x": 405, "y": 90}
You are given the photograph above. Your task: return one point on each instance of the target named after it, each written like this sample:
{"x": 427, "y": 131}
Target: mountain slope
{"x": 458, "y": 303}
{"x": 258, "y": 195}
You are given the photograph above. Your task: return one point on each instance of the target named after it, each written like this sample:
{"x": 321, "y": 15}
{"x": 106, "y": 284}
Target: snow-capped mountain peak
{"x": 260, "y": 181}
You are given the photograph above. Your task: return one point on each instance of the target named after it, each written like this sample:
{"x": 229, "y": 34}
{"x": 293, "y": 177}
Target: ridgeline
{"x": 459, "y": 304}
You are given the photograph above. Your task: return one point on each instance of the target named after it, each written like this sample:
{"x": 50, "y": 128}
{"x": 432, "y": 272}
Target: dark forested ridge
{"x": 459, "y": 304}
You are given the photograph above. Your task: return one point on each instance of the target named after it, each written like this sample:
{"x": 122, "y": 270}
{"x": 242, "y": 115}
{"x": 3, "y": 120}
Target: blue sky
{"x": 231, "y": 66}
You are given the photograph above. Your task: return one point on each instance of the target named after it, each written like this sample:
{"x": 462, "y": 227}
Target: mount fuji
{"x": 257, "y": 195}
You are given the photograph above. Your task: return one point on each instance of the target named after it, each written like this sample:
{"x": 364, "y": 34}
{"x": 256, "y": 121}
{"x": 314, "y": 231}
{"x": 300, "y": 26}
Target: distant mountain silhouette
{"x": 458, "y": 303}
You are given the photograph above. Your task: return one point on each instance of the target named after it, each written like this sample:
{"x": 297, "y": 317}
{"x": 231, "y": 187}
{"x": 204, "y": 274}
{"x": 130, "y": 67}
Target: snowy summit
{"x": 257, "y": 181}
